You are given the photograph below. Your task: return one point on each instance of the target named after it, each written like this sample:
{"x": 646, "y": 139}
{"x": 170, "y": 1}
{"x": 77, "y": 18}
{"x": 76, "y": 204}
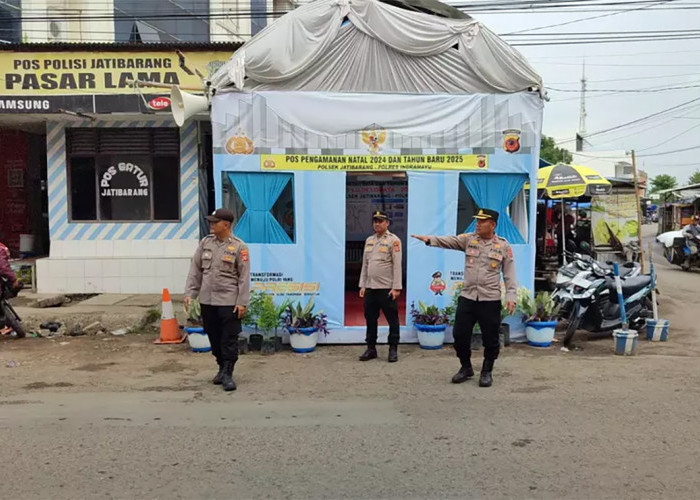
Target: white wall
{"x": 64, "y": 14}
{"x": 237, "y": 29}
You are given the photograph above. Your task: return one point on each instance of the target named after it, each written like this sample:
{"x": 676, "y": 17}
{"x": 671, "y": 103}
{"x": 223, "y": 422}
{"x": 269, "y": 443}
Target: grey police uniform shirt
{"x": 381, "y": 262}
{"x": 484, "y": 261}
{"x": 220, "y": 272}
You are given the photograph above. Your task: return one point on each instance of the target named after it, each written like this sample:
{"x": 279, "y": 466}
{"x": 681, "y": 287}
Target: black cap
{"x": 485, "y": 214}
{"x": 220, "y": 214}
{"x": 378, "y": 214}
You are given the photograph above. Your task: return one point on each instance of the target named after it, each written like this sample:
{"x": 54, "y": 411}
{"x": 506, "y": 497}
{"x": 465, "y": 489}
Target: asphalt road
{"x": 121, "y": 418}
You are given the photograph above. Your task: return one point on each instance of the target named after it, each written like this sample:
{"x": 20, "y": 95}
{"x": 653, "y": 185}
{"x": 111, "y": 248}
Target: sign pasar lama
{"x": 50, "y": 73}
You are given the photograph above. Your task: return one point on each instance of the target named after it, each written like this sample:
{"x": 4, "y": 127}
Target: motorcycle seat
{"x": 631, "y": 286}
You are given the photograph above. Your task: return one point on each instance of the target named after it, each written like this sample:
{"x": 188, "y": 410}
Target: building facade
{"x": 106, "y": 189}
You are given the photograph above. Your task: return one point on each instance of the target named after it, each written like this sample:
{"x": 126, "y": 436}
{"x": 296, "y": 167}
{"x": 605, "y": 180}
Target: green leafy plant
{"x": 432, "y": 314}
{"x": 297, "y": 316}
{"x": 194, "y": 314}
{"x": 542, "y": 307}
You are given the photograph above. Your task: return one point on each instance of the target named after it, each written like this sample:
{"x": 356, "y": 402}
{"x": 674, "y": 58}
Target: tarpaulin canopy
{"x": 370, "y": 46}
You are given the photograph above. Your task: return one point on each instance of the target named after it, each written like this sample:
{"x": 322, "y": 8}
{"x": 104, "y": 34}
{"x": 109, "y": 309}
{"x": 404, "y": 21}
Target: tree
{"x": 694, "y": 178}
{"x": 551, "y": 153}
{"x": 661, "y": 182}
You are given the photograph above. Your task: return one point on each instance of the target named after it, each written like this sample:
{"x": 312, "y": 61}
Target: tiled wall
{"x": 115, "y": 275}
{"x": 118, "y": 257}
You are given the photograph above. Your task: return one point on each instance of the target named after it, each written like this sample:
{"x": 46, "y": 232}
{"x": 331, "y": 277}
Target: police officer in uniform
{"x": 486, "y": 257}
{"x": 380, "y": 285}
{"x": 220, "y": 276}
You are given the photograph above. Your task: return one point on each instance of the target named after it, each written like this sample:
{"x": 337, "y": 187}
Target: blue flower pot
{"x": 303, "y": 340}
{"x": 430, "y": 336}
{"x": 540, "y": 333}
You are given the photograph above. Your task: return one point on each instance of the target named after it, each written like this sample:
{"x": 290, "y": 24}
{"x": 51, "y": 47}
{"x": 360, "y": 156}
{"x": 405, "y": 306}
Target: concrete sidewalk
{"x": 113, "y": 311}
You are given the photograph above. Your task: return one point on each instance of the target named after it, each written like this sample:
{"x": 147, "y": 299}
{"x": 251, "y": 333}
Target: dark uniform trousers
{"x": 222, "y": 327}
{"x": 488, "y": 314}
{"x": 376, "y": 300}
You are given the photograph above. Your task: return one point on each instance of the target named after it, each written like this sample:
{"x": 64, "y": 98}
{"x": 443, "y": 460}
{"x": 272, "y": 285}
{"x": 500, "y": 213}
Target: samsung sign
{"x": 26, "y": 105}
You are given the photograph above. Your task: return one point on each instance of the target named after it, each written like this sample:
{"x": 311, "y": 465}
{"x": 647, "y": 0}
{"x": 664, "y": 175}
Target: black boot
{"x": 227, "y": 379}
{"x": 465, "y": 373}
{"x": 220, "y": 375}
{"x": 485, "y": 379}
{"x": 393, "y": 353}
{"x": 370, "y": 353}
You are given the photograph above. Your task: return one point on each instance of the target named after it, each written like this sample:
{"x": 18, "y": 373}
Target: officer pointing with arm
{"x": 486, "y": 257}
{"x": 380, "y": 285}
{"x": 220, "y": 276}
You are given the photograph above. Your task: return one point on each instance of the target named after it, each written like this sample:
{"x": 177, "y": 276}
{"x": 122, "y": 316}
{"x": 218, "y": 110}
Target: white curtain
{"x": 518, "y": 214}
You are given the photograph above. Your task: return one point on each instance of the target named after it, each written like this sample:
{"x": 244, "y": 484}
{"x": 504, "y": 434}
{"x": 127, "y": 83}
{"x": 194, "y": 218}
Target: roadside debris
{"x": 55, "y": 301}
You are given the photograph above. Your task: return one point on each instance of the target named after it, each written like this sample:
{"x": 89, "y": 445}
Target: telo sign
{"x": 159, "y": 103}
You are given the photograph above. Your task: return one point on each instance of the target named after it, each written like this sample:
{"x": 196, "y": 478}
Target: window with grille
{"x": 128, "y": 174}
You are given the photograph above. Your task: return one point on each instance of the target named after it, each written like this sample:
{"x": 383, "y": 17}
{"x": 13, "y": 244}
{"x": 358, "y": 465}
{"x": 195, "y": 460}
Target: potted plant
{"x": 303, "y": 325}
{"x": 431, "y": 322}
{"x": 540, "y": 317}
{"x": 267, "y": 321}
{"x": 255, "y": 340}
{"x": 196, "y": 336}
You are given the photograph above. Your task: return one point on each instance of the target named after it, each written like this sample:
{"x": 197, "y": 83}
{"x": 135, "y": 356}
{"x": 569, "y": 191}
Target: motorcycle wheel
{"x": 13, "y": 321}
{"x": 574, "y": 322}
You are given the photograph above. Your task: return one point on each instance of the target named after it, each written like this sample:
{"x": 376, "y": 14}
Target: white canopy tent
{"x": 337, "y": 86}
{"x": 370, "y": 46}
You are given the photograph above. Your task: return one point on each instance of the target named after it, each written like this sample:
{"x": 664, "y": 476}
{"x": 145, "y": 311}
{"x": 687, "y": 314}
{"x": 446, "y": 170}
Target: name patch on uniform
{"x": 244, "y": 255}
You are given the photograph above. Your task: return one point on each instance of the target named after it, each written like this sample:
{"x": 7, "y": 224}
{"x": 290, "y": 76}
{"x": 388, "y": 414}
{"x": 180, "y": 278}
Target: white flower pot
{"x": 430, "y": 336}
{"x": 540, "y": 333}
{"x": 198, "y": 340}
{"x": 303, "y": 339}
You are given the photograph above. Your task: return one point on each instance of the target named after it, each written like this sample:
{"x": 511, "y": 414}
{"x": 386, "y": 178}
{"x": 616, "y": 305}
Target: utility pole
{"x": 639, "y": 212}
{"x": 582, "y": 112}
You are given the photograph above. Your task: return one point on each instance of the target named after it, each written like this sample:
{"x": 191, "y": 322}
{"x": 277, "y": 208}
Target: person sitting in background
{"x": 6, "y": 271}
{"x": 692, "y": 237}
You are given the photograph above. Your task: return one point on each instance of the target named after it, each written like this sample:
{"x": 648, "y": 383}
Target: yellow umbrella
{"x": 571, "y": 181}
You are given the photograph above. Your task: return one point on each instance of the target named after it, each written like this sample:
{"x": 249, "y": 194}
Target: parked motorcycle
{"x": 595, "y": 306}
{"x": 585, "y": 266}
{"x": 8, "y": 316}
{"x": 678, "y": 251}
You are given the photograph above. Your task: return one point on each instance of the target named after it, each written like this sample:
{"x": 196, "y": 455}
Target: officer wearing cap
{"x": 380, "y": 285}
{"x": 486, "y": 257}
{"x": 220, "y": 276}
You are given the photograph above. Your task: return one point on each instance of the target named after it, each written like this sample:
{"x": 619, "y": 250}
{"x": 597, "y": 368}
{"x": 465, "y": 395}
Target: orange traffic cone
{"x": 169, "y": 329}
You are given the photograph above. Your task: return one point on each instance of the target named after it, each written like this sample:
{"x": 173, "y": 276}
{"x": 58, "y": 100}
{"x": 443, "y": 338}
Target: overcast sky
{"x": 644, "y": 64}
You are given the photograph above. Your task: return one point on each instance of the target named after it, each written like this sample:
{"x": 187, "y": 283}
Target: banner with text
{"x": 374, "y": 162}
{"x": 59, "y": 73}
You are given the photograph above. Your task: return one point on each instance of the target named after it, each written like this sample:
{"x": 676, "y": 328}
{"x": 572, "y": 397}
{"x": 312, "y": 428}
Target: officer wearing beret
{"x": 380, "y": 285}
{"x": 486, "y": 257}
{"x": 220, "y": 276}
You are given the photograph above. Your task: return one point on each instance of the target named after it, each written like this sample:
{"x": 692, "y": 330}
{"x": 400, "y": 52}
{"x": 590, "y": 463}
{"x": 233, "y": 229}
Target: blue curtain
{"x": 496, "y": 191}
{"x": 259, "y": 192}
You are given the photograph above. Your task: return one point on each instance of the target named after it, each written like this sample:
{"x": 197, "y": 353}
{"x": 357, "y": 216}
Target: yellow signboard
{"x": 61, "y": 73}
{"x": 373, "y": 162}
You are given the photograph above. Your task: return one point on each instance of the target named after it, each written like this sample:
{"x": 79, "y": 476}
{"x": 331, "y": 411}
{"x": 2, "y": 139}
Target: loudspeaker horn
{"x": 185, "y": 105}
